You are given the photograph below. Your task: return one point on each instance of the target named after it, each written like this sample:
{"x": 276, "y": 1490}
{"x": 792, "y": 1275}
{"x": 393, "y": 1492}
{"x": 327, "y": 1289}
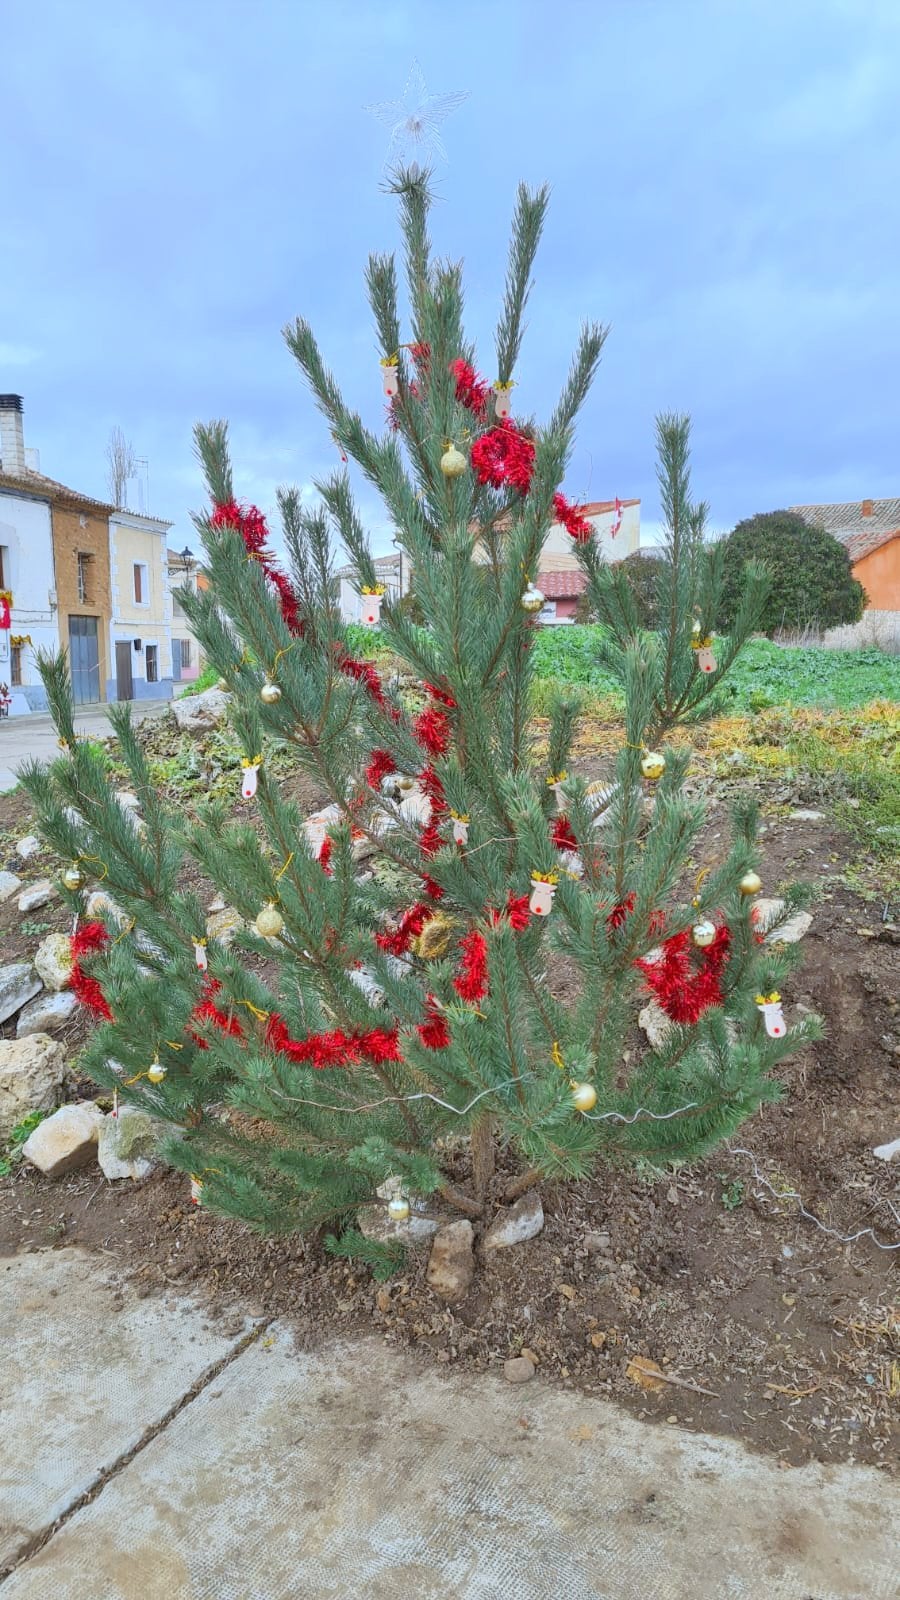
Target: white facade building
{"x": 26, "y": 569}
{"x": 140, "y": 630}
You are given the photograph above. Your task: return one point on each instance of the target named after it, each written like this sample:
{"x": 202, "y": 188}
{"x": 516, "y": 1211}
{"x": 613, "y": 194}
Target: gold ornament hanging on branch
{"x": 453, "y": 462}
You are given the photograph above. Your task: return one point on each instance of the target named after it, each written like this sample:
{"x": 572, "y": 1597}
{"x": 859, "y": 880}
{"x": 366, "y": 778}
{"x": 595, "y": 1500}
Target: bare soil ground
{"x": 794, "y": 1334}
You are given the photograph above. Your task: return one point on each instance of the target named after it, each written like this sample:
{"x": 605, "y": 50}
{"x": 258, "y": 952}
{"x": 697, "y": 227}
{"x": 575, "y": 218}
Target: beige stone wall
{"x": 85, "y": 532}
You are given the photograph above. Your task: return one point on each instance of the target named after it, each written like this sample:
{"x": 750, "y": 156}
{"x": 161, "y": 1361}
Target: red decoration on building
{"x": 685, "y": 990}
{"x": 6, "y": 601}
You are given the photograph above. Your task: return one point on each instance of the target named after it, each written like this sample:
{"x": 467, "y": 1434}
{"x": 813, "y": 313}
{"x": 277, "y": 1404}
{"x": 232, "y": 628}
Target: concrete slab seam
{"x": 39, "y": 1540}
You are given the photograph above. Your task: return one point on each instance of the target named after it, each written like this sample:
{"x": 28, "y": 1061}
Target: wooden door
{"x": 124, "y": 679}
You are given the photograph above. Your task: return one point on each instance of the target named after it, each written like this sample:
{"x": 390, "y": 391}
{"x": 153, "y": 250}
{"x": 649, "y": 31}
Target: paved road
{"x": 148, "y": 1457}
{"x": 35, "y": 735}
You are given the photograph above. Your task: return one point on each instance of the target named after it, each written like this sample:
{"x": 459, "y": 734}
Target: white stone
{"x": 49, "y": 1013}
{"x": 9, "y": 885}
{"x": 887, "y": 1152}
{"x": 65, "y": 1141}
{"x": 375, "y": 1223}
{"x": 655, "y": 1024}
{"x": 102, "y": 905}
{"x": 29, "y": 846}
{"x": 223, "y": 925}
{"x": 73, "y": 816}
{"x": 19, "y": 983}
{"x": 53, "y": 961}
{"x": 37, "y": 895}
{"x": 31, "y": 1078}
{"x": 127, "y": 1144}
{"x": 367, "y": 984}
{"x": 127, "y": 800}
{"x": 807, "y": 816}
{"x": 519, "y": 1223}
{"x": 766, "y": 912}
{"x": 198, "y": 712}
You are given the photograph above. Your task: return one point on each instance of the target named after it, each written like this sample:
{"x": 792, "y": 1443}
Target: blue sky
{"x": 181, "y": 179}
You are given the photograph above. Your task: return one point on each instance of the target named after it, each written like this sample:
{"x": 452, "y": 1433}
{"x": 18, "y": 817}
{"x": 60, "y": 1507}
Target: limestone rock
{"x": 53, "y": 960}
{"x": 127, "y": 1145}
{"x": 31, "y": 1077}
{"x": 49, "y": 1013}
{"x": 597, "y": 1242}
{"x": 224, "y": 924}
{"x": 375, "y": 1223}
{"x": 65, "y": 1141}
{"x": 807, "y": 816}
{"x": 9, "y": 885}
{"x": 102, "y": 905}
{"x": 451, "y": 1264}
{"x": 37, "y": 895}
{"x": 519, "y": 1369}
{"x": 515, "y": 1225}
{"x": 368, "y": 985}
{"x": 767, "y": 912}
{"x": 127, "y": 800}
{"x": 887, "y": 1152}
{"x": 28, "y": 847}
{"x": 19, "y": 983}
{"x": 197, "y": 713}
{"x": 655, "y": 1024}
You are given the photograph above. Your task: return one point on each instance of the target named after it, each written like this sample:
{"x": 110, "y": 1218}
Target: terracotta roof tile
{"x": 862, "y": 544}
{"x": 847, "y": 519}
{"x": 37, "y": 483}
{"x": 561, "y": 585}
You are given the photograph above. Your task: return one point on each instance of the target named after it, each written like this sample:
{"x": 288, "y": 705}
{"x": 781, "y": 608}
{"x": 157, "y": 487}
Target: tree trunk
{"x": 482, "y": 1142}
{"x": 519, "y": 1185}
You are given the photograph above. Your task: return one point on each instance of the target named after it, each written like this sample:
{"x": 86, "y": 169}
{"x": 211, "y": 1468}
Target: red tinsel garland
{"x": 251, "y": 525}
{"x": 471, "y": 981}
{"x": 432, "y": 729}
{"x": 443, "y": 696}
{"x": 381, "y": 762}
{"x": 684, "y": 992}
{"x": 562, "y": 835}
{"x": 471, "y": 391}
{"x": 206, "y": 1010}
{"x": 517, "y": 913}
{"x": 325, "y": 854}
{"x": 504, "y": 456}
{"x": 88, "y": 938}
{"x": 433, "y": 1032}
{"x": 334, "y": 1049}
{"x": 398, "y": 941}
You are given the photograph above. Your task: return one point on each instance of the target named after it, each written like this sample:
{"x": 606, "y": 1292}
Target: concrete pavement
{"x": 35, "y": 735}
{"x": 150, "y": 1459}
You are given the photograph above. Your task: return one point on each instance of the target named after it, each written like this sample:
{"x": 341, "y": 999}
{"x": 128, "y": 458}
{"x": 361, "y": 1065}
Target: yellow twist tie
{"x": 282, "y": 870}
{"x": 261, "y": 1016}
{"x": 556, "y": 1056}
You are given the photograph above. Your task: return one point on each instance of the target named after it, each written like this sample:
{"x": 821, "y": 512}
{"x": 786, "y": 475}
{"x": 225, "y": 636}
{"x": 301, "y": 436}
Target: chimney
{"x": 12, "y": 436}
{"x": 866, "y": 508}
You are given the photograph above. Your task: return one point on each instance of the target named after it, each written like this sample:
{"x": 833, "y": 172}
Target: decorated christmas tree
{"x": 447, "y": 961}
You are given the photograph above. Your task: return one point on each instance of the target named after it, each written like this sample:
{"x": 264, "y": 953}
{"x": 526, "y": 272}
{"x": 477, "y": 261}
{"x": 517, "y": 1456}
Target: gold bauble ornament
{"x": 269, "y": 922}
{"x": 751, "y": 883}
{"x": 156, "y": 1072}
{"x": 270, "y": 694}
{"x": 74, "y": 878}
{"x": 398, "y": 1209}
{"x": 584, "y": 1096}
{"x": 703, "y": 934}
{"x": 453, "y": 462}
{"x": 653, "y": 764}
{"x": 532, "y": 599}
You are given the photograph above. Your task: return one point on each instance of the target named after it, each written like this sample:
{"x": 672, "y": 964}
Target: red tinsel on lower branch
{"x": 207, "y": 1011}
{"x": 333, "y": 1049}
{"x": 381, "y": 763}
{"x": 471, "y": 981}
{"x": 325, "y": 854}
{"x": 434, "y": 1032}
{"x": 684, "y": 988}
{"x": 88, "y": 938}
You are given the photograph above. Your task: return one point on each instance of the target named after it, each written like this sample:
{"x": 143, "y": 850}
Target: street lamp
{"x": 187, "y": 558}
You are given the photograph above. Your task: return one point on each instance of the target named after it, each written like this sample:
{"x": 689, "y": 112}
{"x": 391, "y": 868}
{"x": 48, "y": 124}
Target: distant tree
{"x": 121, "y": 465}
{"x": 812, "y": 579}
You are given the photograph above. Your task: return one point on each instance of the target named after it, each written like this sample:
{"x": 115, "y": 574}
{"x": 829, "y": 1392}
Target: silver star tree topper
{"x": 415, "y": 119}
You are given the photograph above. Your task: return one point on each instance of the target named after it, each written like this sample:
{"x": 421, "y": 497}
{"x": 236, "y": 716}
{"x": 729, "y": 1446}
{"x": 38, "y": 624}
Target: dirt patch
{"x": 704, "y": 1271}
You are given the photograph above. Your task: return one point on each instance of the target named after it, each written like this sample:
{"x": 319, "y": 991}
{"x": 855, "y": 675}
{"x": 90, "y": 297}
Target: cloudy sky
{"x": 179, "y": 179}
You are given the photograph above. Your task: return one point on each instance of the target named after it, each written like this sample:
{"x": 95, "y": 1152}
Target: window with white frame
{"x": 151, "y": 663}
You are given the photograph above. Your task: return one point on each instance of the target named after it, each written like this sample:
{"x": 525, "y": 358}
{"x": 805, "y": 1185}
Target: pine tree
{"x": 369, "y": 1012}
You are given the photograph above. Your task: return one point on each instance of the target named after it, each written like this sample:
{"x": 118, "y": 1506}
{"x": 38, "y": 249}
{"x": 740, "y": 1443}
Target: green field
{"x": 764, "y": 675}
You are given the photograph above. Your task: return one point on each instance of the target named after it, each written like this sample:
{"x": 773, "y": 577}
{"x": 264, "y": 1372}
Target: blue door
{"x": 84, "y": 660}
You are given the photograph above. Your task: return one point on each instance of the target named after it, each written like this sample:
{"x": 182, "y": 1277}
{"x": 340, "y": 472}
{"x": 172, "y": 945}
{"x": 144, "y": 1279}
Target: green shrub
{"x": 813, "y": 583}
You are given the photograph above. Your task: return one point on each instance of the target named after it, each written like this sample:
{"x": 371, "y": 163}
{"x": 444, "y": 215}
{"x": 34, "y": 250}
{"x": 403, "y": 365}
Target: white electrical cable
{"x": 791, "y": 1194}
